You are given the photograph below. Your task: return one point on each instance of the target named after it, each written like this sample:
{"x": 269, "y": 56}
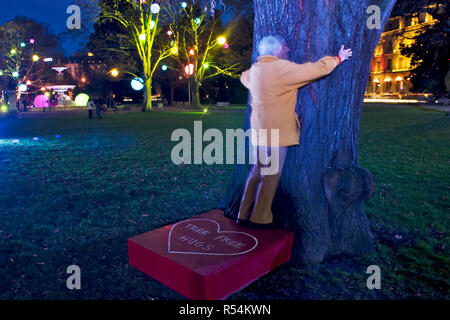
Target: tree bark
{"x": 195, "y": 96}
{"x": 147, "y": 95}
{"x": 322, "y": 188}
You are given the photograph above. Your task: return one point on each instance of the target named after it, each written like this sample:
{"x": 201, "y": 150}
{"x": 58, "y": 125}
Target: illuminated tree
{"x": 140, "y": 20}
{"x": 202, "y": 40}
{"x": 23, "y": 45}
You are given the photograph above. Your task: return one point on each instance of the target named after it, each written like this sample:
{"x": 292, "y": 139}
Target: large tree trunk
{"x": 322, "y": 187}
{"x": 195, "y": 96}
{"x": 147, "y": 95}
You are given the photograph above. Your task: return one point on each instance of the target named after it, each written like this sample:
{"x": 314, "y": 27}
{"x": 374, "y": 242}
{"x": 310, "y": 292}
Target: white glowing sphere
{"x": 155, "y": 8}
{"x": 137, "y": 84}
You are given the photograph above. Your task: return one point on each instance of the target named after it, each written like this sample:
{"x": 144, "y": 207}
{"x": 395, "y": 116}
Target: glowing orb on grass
{"x": 81, "y": 100}
{"x": 4, "y": 108}
{"x": 137, "y": 84}
{"x": 41, "y": 101}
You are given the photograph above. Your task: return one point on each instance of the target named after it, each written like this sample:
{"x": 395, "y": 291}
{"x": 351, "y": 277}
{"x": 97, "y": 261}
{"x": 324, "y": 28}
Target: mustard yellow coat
{"x": 273, "y": 85}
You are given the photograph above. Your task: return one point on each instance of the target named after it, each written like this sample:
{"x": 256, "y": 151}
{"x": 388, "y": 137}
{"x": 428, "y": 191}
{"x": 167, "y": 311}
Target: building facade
{"x": 390, "y": 71}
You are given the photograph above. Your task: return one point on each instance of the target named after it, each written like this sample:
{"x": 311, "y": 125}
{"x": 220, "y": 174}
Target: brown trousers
{"x": 261, "y": 185}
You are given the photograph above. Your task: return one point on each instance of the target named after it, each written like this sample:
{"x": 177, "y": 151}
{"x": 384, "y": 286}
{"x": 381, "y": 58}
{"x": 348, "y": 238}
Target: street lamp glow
{"x": 164, "y": 68}
{"x": 35, "y": 58}
{"x": 221, "y": 40}
{"x": 155, "y": 8}
{"x": 115, "y": 72}
{"x": 184, "y": 5}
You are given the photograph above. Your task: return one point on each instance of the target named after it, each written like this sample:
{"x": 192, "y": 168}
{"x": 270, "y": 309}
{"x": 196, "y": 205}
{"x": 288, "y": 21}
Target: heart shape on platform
{"x": 203, "y": 236}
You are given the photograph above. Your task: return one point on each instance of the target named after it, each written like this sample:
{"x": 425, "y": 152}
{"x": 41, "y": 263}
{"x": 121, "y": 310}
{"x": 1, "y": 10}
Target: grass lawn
{"x": 75, "y": 195}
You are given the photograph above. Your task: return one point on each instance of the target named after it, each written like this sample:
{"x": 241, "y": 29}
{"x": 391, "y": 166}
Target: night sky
{"x": 52, "y": 12}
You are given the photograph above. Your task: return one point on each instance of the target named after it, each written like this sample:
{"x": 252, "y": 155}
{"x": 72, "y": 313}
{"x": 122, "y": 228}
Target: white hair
{"x": 270, "y": 45}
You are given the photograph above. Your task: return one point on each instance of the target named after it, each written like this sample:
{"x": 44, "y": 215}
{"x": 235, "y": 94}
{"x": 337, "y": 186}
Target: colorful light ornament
{"x": 13, "y": 51}
{"x": 152, "y": 24}
{"x": 142, "y": 37}
{"x": 189, "y": 69}
{"x": 81, "y": 100}
{"x": 32, "y": 41}
{"x": 164, "y": 68}
{"x": 22, "y": 44}
{"x": 41, "y": 101}
{"x": 23, "y": 87}
{"x": 4, "y": 108}
{"x": 1, "y": 73}
{"x": 184, "y": 5}
{"x": 221, "y": 40}
{"x": 169, "y": 33}
{"x": 226, "y": 45}
{"x": 197, "y": 21}
{"x": 206, "y": 66}
{"x": 35, "y": 58}
{"x": 15, "y": 74}
{"x": 174, "y": 50}
{"x": 155, "y": 8}
{"x": 28, "y": 82}
{"x": 191, "y": 52}
{"x": 137, "y": 84}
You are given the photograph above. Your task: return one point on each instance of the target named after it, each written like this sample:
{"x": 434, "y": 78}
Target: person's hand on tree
{"x": 345, "y": 54}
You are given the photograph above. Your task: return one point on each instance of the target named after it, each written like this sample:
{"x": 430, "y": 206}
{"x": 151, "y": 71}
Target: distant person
{"x": 90, "y": 108}
{"x": 105, "y": 104}
{"x": 19, "y": 105}
{"x": 114, "y": 104}
{"x": 25, "y": 104}
{"x": 99, "y": 107}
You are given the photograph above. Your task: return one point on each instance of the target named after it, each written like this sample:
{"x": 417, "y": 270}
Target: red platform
{"x": 209, "y": 257}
